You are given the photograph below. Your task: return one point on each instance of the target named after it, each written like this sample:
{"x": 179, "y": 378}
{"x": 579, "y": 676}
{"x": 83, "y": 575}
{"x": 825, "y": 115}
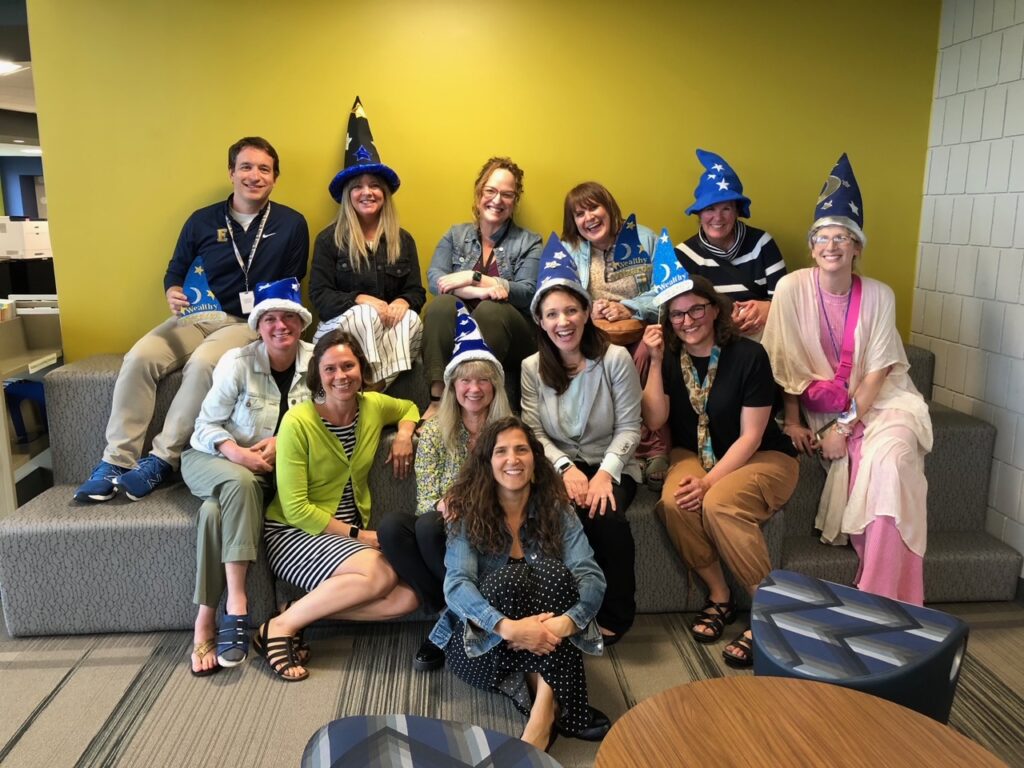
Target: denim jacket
{"x": 243, "y": 401}
{"x": 517, "y": 251}
{"x": 465, "y": 567}
{"x": 642, "y": 305}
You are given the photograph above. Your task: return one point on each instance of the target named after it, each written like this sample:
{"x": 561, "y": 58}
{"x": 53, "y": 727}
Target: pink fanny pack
{"x": 833, "y": 396}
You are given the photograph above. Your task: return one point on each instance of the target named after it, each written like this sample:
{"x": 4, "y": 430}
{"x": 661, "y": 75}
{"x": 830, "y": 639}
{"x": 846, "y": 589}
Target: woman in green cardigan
{"x": 316, "y": 527}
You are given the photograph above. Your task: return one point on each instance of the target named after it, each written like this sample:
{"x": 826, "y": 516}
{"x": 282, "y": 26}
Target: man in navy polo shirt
{"x": 243, "y": 241}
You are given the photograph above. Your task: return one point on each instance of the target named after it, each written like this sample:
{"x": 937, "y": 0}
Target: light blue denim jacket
{"x": 518, "y": 254}
{"x": 643, "y": 305}
{"x": 243, "y": 401}
{"x": 466, "y": 567}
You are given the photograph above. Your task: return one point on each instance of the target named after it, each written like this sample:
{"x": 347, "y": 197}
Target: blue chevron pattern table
{"x": 405, "y": 741}
{"x": 816, "y": 630}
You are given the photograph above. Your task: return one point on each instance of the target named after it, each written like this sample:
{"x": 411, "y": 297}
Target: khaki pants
{"x": 729, "y": 525}
{"x": 164, "y": 350}
{"x": 230, "y": 520}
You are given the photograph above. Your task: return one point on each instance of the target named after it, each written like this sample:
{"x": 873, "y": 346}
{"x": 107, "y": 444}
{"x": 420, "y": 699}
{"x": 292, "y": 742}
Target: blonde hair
{"x": 449, "y": 414}
{"x": 348, "y": 234}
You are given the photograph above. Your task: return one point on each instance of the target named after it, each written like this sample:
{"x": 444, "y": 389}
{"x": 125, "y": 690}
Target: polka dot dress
{"x": 521, "y": 589}
{"x": 305, "y": 560}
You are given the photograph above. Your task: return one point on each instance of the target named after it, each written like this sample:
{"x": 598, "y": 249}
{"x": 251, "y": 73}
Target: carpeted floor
{"x": 128, "y": 700}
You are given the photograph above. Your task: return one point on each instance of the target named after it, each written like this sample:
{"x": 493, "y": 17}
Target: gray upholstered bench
{"x": 129, "y": 566}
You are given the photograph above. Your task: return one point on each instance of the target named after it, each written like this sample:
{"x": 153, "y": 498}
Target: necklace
{"x": 824, "y": 313}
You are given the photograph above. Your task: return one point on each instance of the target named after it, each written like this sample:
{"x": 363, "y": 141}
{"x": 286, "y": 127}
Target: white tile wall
{"x": 969, "y": 300}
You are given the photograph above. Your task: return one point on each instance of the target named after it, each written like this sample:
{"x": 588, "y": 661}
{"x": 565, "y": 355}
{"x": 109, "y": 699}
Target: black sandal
{"x": 713, "y": 616}
{"x": 745, "y": 658}
{"x": 279, "y": 653}
{"x": 303, "y": 651}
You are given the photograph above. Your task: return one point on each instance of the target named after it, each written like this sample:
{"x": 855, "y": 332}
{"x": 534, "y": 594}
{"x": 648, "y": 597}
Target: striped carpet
{"x": 128, "y": 700}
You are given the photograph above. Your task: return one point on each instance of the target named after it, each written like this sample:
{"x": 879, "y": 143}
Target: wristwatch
{"x": 353, "y": 532}
{"x": 477, "y": 277}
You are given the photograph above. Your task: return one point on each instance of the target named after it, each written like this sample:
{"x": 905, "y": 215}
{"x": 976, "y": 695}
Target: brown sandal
{"x": 200, "y": 650}
{"x": 279, "y": 653}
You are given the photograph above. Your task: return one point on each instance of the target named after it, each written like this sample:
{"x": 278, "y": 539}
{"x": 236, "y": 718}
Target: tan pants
{"x": 729, "y": 525}
{"x": 164, "y": 350}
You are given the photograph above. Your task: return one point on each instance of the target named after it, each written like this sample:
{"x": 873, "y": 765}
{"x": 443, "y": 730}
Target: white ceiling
{"x": 17, "y": 92}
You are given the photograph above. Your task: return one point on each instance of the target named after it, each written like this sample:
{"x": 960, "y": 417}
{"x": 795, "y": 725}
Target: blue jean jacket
{"x": 465, "y": 567}
{"x": 517, "y": 251}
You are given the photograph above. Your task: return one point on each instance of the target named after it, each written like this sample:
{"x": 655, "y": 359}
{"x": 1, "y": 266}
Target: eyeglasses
{"x": 489, "y": 193}
{"x": 696, "y": 312}
{"x": 837, "y": 239}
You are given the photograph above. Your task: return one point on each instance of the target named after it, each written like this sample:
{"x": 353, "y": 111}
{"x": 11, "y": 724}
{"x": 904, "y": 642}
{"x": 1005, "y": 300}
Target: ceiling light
{"x": 31, "y": 151}
{"x": 18, "y": 141}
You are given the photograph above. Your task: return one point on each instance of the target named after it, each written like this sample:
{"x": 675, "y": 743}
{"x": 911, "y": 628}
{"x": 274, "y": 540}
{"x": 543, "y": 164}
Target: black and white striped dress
{"x": 305, "y": 560}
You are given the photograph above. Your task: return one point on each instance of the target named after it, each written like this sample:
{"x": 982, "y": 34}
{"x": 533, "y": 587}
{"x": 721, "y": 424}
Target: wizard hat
{"x": 628, "y": 257}
{"x": 281, "y": 295}
{"x": 469, "y": 344}
{"x": 839, "y": 203}
{"x": 557, "y": 270}
{"x": 361, "y": 155}
{"x": 718, "y": 184}
{"x": 203, "y": 306}
{"x": 670, "y": 278}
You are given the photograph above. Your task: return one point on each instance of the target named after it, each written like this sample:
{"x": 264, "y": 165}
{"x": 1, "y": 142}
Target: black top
{"x": 283, "y": 379}
{"x": 334, "y": 284}
{"x": 744, "y": 378}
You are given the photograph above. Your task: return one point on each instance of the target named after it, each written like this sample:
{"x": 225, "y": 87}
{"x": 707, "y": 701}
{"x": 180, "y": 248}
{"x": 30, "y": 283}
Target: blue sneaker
{"x": 101, "y": 483}
{"x": 140, "y": 481}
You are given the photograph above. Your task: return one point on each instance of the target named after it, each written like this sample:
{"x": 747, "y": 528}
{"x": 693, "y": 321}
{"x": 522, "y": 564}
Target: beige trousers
{"x": 164, "y": 350}
{"x": 729, "y": 525}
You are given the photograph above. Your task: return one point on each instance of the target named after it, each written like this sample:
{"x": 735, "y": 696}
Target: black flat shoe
{"x": 428, "y": 657}
{"x": 599, "y": 726}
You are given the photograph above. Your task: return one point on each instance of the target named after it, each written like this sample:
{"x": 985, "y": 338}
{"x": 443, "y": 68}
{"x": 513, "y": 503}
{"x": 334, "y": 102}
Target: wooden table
{"x": 747, "y": 721}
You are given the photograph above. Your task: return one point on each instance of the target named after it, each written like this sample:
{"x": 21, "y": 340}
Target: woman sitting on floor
{"x": 732, "y": 467}
{"x": 474, "y": 396}
{"x": 230, "y": 465}
{"x": 521, "y": 579}
{"x": 316, "y": 527}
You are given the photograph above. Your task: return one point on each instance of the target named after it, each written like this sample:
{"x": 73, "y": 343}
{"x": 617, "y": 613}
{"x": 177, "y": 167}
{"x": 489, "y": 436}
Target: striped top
{"x": 346, "y": 511}
{"x": 754, "y": 261}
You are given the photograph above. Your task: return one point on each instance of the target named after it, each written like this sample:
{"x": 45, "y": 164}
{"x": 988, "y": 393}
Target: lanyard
{"x": 252, "y": 253}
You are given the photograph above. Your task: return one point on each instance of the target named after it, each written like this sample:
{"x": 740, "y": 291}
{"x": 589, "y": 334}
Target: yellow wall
{"x": 139, "y": 99}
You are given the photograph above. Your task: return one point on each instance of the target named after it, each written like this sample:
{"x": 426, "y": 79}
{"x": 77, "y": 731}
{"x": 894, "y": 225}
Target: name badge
{"x": 248, "y": 300}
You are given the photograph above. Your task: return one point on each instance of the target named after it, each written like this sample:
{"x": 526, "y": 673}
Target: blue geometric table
{"x": 401, "y": 741}
{"x": 816, "y": 630}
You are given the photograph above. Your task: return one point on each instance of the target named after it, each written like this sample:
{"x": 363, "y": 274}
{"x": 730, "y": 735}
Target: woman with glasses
{"x": 490, "y": 264}
{"x": 731, "y": 466}
{"x": 581, "y": 397}
{"x": 742, "y": 262}
{"x": 860, "y": 411}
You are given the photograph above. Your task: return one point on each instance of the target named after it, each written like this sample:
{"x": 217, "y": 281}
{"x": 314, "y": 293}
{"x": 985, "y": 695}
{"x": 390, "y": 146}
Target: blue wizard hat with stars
{"x": 361, "y": 155}
{"x": 203, "y": 305}
{"x": 718, "y": 184}
{"x": 557, "y": 270}
{"x": 628, "y": 257}
{"x": 670, "y": 278}
{"x": 284, "y": 295}
{"x": 469, "y": 344}
{"x": 839, "y": 203}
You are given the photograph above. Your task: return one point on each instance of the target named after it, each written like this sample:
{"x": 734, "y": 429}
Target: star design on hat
{"x": 718, "y": 167}
{"x": 348, "y": 140}
{"x": 358, "y": 111}
{"x": 630, "y": 225}
{"x": 854, "y": 208}
{"x": 210, "y": 294}
{"x": 664, "y": 238}
{"x": 712, "y": 176}
{"x": 362, "y": 154}
{"x": 642, "y": 249}
{"x": 827, "y": 205}
{"x": 846, "y": 183}
{"x": 723, "y": 184}
{"x": 550, "y": 264}
{"x": 198, "y": 270}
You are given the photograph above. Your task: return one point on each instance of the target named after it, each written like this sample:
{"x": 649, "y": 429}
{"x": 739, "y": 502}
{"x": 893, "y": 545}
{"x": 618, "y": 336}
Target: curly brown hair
{"x": 725, "y": 329}
{"x": 495, "y": 164}
{"x": 473, "y": 497}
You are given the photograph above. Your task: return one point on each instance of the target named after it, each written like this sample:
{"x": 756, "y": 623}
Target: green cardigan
{"x": 312, "y": 468}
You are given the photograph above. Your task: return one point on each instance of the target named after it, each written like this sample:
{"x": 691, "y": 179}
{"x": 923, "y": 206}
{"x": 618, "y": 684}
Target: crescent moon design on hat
{"x": 668, "y": 273}
{"x": 832, "y": 183}
{"x": 199, "y": 296}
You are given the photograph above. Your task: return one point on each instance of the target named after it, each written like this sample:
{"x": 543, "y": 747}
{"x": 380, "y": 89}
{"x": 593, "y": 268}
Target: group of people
{"x": 701, "y": 369}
